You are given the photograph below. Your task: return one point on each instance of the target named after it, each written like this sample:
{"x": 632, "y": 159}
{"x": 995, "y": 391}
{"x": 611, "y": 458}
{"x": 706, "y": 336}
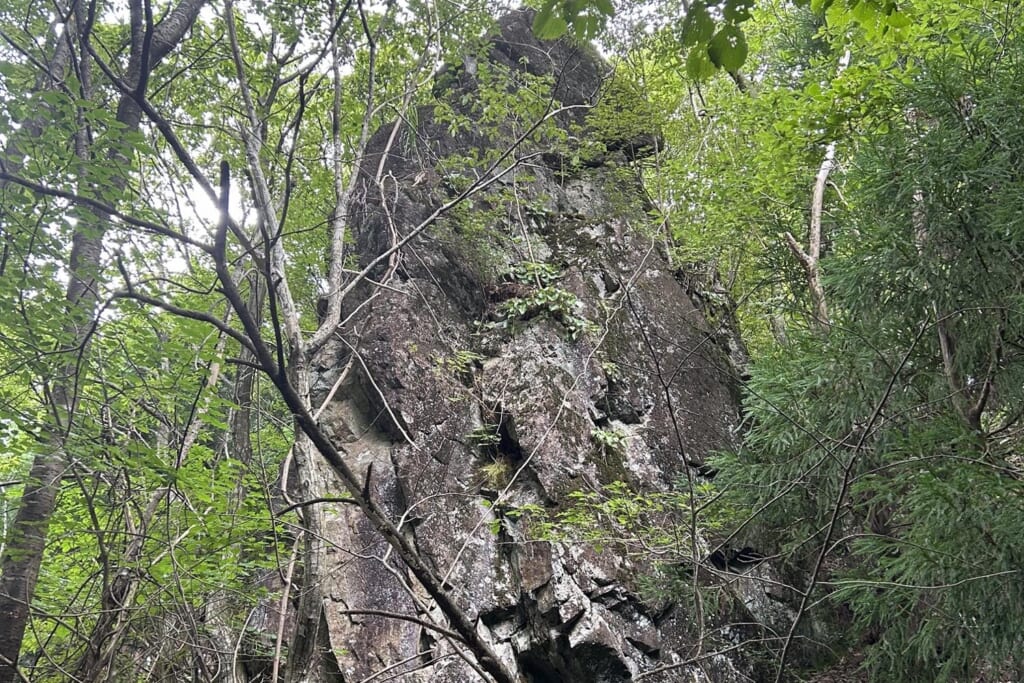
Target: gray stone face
{"x": 476, "y": 385}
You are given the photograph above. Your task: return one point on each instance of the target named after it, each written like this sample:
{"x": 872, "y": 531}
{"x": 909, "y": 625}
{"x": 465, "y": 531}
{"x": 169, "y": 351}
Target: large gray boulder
{"x": 530, "y": 344}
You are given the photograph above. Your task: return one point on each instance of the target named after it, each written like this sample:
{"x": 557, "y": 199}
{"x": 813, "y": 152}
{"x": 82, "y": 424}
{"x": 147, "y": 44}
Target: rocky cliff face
{"x": 529, "y": 345}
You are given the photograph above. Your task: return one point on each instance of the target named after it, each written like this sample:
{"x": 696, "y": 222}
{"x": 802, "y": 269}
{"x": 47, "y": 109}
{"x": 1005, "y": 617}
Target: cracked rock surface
{"x": 530, "y": 344}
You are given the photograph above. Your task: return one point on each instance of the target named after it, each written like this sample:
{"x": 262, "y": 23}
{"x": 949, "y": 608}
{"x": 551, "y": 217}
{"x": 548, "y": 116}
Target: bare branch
{"x": 404, "y": 617}
{"x": 103, "y": 207}
{"x": 809, "y": 258}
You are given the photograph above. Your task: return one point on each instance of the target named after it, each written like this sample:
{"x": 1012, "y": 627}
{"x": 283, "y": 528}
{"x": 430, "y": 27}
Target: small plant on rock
{"x": 497, "y": 473}
{"x": 486, "y": 436}
{"x": 610, "y": 440}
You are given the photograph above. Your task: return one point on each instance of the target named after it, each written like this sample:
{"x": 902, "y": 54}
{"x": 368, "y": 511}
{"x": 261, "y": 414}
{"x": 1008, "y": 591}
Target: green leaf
{"x": 548, "y": 26}
{"x": 728, "y": 49}
{"x": 53, "y": 98}
{"x": 698, "y": 26}
{"x": 898, "y": 20}
{"x": 864, "y": 12}
{"x": 737, "y": 11}
{"x": 605, "y": 7}
{"x": 587, "y": 26}
{"x": 698, "y": 66}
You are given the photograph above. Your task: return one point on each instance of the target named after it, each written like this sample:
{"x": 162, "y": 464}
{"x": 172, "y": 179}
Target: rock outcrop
{"x": 528, "y": 345}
